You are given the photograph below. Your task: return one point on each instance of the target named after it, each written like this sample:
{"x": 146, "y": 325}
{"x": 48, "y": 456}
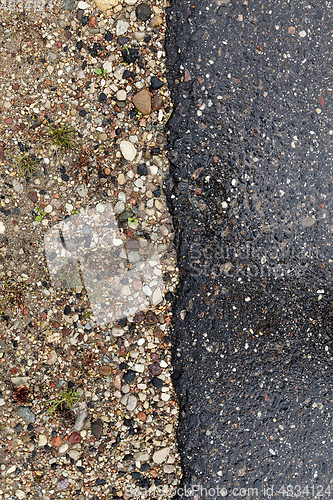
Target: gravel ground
{"x": 100, "y": 70}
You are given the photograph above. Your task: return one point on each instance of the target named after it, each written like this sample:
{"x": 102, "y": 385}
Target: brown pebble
{"x": 33, "y": 196}
{"x": 9, "y": 121}
{"x": 107, "y": 171}
{"x": 1, "y": 154}
{"x": 142, "y": 101}
{"x": 97, "y": 428}
{"x": 142, "y": 416}
{"x": 291, "y": 30}
{"x": 117, "y": 382}
{"x": 92, "y": 22}
{"x": 153, "y": 473}
{"x": 74, "y": 438}
{"x": 155, "y": 21}
{"x": 157, "y": 102}
{"x": 56, "y": 441}
{"x": 155, "y": 369}
{"x": 16, "y": 86}
{"x": 105, "y": 370}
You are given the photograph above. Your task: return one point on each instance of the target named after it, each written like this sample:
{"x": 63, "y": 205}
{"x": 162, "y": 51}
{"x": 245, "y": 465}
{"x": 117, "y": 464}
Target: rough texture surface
{"x": 250, "y": 192}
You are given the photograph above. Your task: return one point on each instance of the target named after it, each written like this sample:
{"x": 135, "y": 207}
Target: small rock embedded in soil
{"x": 160, "y": 455}
{"x": 97, "y": 428}
{"x": 128, "y": 150}
{"x": 27, "y": 415}
{"x": 105, "y": 370}
{"x": 143, "y": 12}
{"x": 142, "y": 101}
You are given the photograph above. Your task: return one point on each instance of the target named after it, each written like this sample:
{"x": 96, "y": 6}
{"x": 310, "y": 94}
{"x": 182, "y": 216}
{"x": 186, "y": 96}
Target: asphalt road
{"x": 250, "y": 190}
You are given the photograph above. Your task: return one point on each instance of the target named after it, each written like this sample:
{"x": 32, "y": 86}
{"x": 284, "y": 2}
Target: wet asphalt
{"x": 251, "y": 191}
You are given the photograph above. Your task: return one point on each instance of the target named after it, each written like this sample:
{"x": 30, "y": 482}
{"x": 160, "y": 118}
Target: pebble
{"x": 33, "y": 196}
{"x": 160, "y": 455}
{"x": 142, "y": 101}
{"x": 97, "y": 428}
{"x": 20, "y": 494}
{"x": 42, "y": 440}
{"x": 18, "y": 187}
{"x": 155, "y": 83}
{"x": 131, "y": 402}
{"x": 63, "y": 484}
{"x": 103, "y": 137}
{"x": 119, "y": 207}
{"x": 121, "y": 179}
{"x": 83, "y": 5}
{"x": 121, "y": 95}
{"x": 80, "y": 419}
{"x": 74, "y": 438}
{"x": 302, "y": 34}
{"x": 56, "y": 441}
{"x": 155, "y": 21}
{"x": 2, "y": 227}
{"x": 122, "y": 27}
{"x": 157, "y": 102}
{"x": 128, "y": 150}
{"x": 106, "y": 4}
{"x": 105, "y": 370}
{"x": 155, "y": 369}
{"x": 27, "y": 415}
{"x": 143, "y": 12}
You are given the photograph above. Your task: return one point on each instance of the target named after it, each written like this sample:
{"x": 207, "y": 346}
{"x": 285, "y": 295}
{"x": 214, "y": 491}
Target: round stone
{"x": 155, "y": 21}
{"x": 128, "y": 150}
{"x": 103, "y": 137}
{"x": 121, "y": 95}
{"x": 143, "y": 12}
{"x": 142, "y": 101}
{"x": 105, "y": 370}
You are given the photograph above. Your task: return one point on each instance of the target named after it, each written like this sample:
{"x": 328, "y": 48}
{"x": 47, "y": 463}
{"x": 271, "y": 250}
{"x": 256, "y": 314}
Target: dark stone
{"x": 33, "y": 196}
{"x": 122, "y": 40}
{"x": 129, "y": 55}
{"x": 108, "y": 36}
{"x": 84, "y": 64}
{"x": 125, "y": 215}
{"x": 65, "y": 177}
{"x": 82, "y": 112}
{"x": 97, "y": 428}
{"x": 142, "y": 169}
{"x": 79, "y": 45}
{"x": 126, "y": 74}
{"x": 129, "y": 376}
{"x": 155, "y": 368}
{"x": 155, "y": 83}
{"x": 143, "y": 12}
{"x": 102, "y": 97}
{"x": 157, "y": 382}
{"x": 84, "y": 20}
{"x": 157, "y": 193}
{"x": 79, "y": 14}
{"x": 155, "y": 151}
{"x": 136, "y": 475}
{"x": 67, "y": 310}
{"x": 122, "y": 366}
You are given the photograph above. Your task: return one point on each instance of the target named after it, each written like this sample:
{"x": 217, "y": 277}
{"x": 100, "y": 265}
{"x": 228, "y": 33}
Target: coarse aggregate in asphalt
{"x": 250, "y": 191}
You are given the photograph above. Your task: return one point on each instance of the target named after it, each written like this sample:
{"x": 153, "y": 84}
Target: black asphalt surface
{"x": 250, "y": 190}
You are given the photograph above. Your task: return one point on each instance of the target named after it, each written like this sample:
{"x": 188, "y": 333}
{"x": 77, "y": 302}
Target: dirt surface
{"x": 249, "y": 189}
